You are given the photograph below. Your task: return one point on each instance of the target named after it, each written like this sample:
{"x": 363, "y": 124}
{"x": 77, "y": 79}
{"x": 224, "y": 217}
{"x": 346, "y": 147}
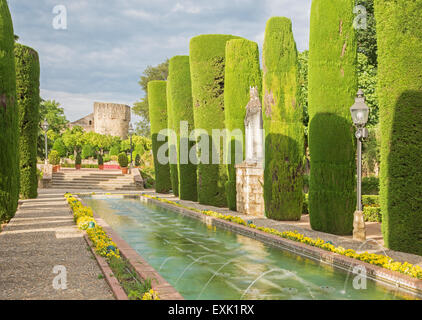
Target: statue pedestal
{"x": 249, "y": 188}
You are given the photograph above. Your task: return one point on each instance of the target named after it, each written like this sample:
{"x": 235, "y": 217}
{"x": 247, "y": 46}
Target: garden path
{"x": 41, "y": 237}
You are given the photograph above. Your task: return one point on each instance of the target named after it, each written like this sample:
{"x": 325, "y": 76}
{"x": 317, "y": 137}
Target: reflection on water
{"x": 203, "y": 262}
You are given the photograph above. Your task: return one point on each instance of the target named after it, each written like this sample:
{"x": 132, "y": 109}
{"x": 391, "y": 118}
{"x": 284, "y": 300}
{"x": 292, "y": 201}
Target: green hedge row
{"x": 370, "y": 185}
{"x": 28, "y": 96}
{"x": 9, "y": 155}
{"x": 158, "y": 117}
{"x": 399, "y": 36}
{"x": 242, "y": 72}
{"x": 332, "y": 89}
{"x": 284, "y": 134}
{"x": 174, "y": 172}
{"x": 207, "y": 63}
{"x": 181, "y": 95}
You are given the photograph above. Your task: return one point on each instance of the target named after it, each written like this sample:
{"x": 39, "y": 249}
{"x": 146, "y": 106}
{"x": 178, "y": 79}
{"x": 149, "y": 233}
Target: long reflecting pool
{"x": 203, "y": 262}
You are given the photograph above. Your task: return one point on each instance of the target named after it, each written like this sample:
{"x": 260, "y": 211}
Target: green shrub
{"x": 60, "y": 147}
{"x": 107, "y": 158}
{"x": 332, "y": 89}
{"x": 54, "y": 158}
{"x": 399, "y": 91}
{"x": 242, "y": 72}
{"x": 174, "y": 173}
{"x": 305, "y": 209}
{"x": 370, "y": 185}
{"x": 306, "y": 183}
{"x": 283, "y": 125}
{"x": 78, "y": 159}
{"x": 28, "y": 97}
{"x": 9, "y": 159}
{"x": 181, "y": 96}
{"x": 371, "y": 200}
{"x": 207, "y": 63}
{"x": 123, "y": 161}
{"x": 87, "y": 151}
{"x": 372, "y": 214}
{"x": 100, "y": 160}
{"x": 158, "y": 117}
{"x": 137, "y": 160}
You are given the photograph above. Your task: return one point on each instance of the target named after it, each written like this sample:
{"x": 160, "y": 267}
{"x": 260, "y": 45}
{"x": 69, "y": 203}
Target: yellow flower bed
{"x": 150, "y": 295}
{"x": 83, "y": 216}
{"x": 104, "y": 245}
{"x": 375, "y": 259}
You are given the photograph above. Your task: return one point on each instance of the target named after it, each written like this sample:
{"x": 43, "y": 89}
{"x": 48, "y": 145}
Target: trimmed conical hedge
{"x": 174, "y": 172}
{"x": 181, "y": 96}
{"x": 283, "y": 125}
{"x": 207, "y": 63}
{"x": 28, "y": 95}
{"x": 9, "y": 136}
{"x": 242, "y": 72}
{"x": 158, "y": 117}
{"x": 400, "y": 96}
{"x": 332, "y": 89}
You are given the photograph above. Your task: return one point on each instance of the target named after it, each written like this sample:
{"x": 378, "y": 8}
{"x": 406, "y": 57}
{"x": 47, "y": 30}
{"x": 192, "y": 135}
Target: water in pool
{"x": 204, "y": 262}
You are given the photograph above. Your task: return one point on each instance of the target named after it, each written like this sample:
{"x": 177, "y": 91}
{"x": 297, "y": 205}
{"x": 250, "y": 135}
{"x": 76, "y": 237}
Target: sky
{"x": 107, "y": 44}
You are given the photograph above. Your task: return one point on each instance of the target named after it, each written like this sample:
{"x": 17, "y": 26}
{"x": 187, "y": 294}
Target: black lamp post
{"x": 45, "y": 128}
{"x": 131, "y": 132}
{"x": 360, "y": 114}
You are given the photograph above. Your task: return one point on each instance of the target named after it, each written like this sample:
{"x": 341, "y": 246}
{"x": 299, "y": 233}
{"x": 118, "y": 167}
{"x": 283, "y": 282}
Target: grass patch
{"x": 134, "y": 286}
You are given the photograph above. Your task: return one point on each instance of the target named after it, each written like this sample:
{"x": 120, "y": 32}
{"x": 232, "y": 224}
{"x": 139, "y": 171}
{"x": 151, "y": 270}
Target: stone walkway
{"x": 41, "y": 236}
{"x": 373, "y": 244}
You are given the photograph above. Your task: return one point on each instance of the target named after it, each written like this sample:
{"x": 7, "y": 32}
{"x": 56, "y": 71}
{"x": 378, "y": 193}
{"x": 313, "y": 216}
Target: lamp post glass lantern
{"x": 45, "y": 128}
{"x": 360, "y": 114}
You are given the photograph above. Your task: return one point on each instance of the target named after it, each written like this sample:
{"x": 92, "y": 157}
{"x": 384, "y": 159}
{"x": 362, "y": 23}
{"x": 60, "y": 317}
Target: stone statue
{"x": 253, "y": 128}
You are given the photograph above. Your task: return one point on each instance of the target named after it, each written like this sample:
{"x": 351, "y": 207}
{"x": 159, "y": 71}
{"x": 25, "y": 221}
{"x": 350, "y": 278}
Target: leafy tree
{"x": 283, "y": 125}
{"x": 367, "y": 81}
{"x": 332, "y": 89}
{"x": 141, "y": 108}
{"x": 60, "y": 147}
{"x": 28, "y": 97}
{"x": 367, "y": 38}
{"x": 87, "y": 151}
{"x": 74, "y": 139}
{"x": 9, "y": 132}
{"x": 115, "y": 150}
{"x": 303, "y": 58}
{"x": 51, "y": 111}
{"x": 400, "y": 97}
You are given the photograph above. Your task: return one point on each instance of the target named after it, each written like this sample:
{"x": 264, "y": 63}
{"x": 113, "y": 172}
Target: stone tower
{"x": 112, "y": 119}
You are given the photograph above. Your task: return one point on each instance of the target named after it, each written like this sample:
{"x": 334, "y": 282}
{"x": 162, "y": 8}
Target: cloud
{"x": 108, "y": 44}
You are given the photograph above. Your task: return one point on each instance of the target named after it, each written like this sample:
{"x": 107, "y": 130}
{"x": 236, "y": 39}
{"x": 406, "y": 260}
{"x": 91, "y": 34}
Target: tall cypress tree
{"x": 158, "y": 117}
{"x": 284, "y": 132}
{"x": 332, "y": 88}
{"x": 242, "y": 72}
{"x": 207, "y": 63}
{"x": 9, "y": 134}
{"x": 400, "y": 97}
{"x": 28, "y": 94}
{"x": 181, "y": 96}
{"x": 174, "y": 174}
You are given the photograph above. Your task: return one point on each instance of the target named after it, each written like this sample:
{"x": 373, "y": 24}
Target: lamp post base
{"x": 359, "y": 230}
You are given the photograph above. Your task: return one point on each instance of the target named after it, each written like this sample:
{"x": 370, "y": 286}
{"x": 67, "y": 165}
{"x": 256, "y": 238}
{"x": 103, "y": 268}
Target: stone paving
{"x": 373, "y": 244}
{"x": 41, "y": 236}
